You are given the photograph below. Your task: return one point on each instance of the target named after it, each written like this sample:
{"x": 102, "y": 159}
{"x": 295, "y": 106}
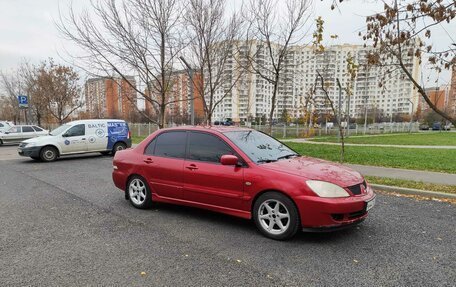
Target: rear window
{"x": 27, "y": 130}
{"x": 171, "y": 144}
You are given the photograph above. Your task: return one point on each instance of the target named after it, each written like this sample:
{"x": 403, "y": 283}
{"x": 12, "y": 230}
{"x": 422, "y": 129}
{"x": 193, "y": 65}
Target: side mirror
{"x": 65, "y": 135}
{"x": 229, "y": 159}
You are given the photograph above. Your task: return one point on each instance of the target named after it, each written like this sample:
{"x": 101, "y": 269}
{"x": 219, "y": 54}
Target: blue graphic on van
{"x": 117, "y": 131}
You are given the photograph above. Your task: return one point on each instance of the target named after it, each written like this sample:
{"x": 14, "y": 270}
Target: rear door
{"x": 74, "y": 139}
{"x": 163, "y": 163}
{"x": 97, "y": 135}
{"x": 205, "y": 179}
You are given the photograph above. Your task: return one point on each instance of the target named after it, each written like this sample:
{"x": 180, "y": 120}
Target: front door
{"x": 205, "y": 179}
{"x": 163, "y": 162}
{"x": 74, "y": 140}
{"x": 13, "y": 135}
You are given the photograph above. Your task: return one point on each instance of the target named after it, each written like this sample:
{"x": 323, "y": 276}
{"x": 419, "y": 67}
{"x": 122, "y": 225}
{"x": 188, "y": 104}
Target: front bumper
{"x": 325, "y": 214}
{"x": 29, "y": 151}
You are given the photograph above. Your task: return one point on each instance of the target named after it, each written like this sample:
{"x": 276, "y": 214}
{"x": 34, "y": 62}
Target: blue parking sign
{"x": 23, "y": 101}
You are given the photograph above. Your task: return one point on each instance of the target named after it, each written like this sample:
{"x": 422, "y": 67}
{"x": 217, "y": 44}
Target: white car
{"x": 77, "y": 137}
{"x": 16, "y": 134}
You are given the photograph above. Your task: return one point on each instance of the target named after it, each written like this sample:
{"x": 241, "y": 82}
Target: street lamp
{"x": 190, "y": 75}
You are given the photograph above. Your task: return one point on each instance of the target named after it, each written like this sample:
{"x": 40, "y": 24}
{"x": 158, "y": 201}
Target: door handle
{"x": 191, "y": 167}
{"x": 83, "y": 139}
{"x": 148, "y": 160}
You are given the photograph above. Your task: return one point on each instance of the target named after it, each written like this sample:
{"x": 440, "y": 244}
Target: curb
{"x": 413, "y": 191}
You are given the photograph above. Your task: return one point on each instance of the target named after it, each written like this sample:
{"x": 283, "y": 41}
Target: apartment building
{"x": 452, "y": 93}
{"x": 252, "y": 94}
{"x": 179, "y": 97}
{"x": 111, "y": 97}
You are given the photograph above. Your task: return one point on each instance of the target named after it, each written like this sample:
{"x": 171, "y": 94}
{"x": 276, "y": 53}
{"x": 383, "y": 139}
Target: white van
{"x": 84, "y": 136}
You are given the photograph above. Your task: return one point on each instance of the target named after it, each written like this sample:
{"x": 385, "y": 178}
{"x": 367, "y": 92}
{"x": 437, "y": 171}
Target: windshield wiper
{"x": 287, "y": 156}
{"x": 266, "y": 160}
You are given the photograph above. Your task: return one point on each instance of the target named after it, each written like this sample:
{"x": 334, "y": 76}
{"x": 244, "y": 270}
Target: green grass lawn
{"x": 427, "y": 138}
{"x": 137, "y": 139}
{"x": 408, "y": 158}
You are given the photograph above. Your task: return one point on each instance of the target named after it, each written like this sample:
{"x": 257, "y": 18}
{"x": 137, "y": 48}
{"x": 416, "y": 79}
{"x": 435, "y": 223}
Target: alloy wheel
{"x": 274, "y": 217}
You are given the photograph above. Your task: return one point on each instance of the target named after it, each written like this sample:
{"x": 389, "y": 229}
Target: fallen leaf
{"x": 142, "y": 273}
{"x": 354, "y": 260}
{"x": 238, "y": 261}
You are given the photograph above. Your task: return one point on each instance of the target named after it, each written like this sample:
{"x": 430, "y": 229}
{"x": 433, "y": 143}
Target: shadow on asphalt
{"x": 67, "y": 158}
{"x": 243, "y": 225}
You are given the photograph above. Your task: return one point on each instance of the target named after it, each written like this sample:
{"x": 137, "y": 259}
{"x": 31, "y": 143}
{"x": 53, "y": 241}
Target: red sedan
{"x": 245, "y": 173}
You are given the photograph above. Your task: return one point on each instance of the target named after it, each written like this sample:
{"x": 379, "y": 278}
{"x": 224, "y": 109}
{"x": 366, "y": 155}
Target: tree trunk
{"x": 273, "y": 103}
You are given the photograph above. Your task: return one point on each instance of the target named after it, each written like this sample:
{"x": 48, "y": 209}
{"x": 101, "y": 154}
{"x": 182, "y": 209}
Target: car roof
{"x": 92, "y": 120}
{"x": 220, "y": 129}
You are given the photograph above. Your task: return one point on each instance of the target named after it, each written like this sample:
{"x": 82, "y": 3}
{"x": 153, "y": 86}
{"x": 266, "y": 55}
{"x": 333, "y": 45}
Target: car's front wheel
{"x": 48, "y": 153}
{"x": 276, "y": 216}
{"x": 139, "y": 192}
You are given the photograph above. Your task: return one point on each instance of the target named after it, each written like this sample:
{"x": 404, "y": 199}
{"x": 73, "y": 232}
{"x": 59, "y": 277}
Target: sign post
{"x": 23, "y": 104}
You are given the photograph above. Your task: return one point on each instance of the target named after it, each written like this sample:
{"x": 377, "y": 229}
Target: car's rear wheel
{"x": 276, "y": 216}
{"x": 139, "y": 193}
{"x": 48, "y": 153}
{"x": 118, "y": 146}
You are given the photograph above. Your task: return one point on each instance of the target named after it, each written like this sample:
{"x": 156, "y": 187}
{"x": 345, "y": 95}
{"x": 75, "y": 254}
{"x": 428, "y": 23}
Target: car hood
{"x": 317, "y": 169}
{"x": 40, "y": 139}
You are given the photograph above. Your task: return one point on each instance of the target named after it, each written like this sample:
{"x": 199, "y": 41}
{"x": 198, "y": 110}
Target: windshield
{"x": 59, "y": 130}
{"x": 260, "y": 147}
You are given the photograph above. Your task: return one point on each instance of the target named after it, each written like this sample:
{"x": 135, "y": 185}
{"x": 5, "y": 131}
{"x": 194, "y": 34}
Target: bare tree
{"x": 13, "y": 86}
{"x": 276, "y": 33}
{"x": 400, "y": 32}
{"x": 139, "y": 37}
{"x": 212, "y": 48}
{"x": 58, "y": 87}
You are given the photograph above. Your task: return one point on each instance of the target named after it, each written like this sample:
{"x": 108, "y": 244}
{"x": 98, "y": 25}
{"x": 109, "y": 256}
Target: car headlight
{"x": 30, "y": 144}
{"x": 326, "y": 189}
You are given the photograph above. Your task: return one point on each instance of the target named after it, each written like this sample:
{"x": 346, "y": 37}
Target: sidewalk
{"x": 371, "y": 145}
{"x": 406, "y": 174}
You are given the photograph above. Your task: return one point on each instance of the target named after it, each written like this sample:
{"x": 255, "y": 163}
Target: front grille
{"x": 356, "y": 189}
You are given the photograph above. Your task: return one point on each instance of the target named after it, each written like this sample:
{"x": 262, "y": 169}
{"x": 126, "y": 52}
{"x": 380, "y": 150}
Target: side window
{"x": 15, "y": 130}
{"x": 206, "y": 147}
{"x": 150, "y": 147}
{"x": 38, "y": 129}
{"x": 27, "y": 130}
{"x": 171, "y": 144}
{"x": 77, "y": 130}
{"x": 1, "y": 125}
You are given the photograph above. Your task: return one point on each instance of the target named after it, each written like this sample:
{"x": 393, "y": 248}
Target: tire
{"x": 276, "y": 216}
{"x": 139, "y": 192}
{"x": 118, "y": 146}
{"x": 105, "y": 152}
{"x": 48, "y": 154}
{"x": 1, "y": 142}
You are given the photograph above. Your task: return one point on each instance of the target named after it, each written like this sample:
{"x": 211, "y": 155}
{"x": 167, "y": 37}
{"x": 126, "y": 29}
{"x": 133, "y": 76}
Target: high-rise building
{"x": 111, "y": 97}
{"x": 439, "y": 96}
{"x": 178, "y": 99}
{"x": 252, "y": 94}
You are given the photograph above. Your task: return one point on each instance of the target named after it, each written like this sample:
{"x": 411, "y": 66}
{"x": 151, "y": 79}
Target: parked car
{"x": 4, "y": 126}
{"x": 424, "y": 127}
{"x": 245, "y": 173}
{"x": 16, "y": 134}
{"x": 77, "y": 137}
{"x": 226, "y": 122}
{"x": 437, "y": 126}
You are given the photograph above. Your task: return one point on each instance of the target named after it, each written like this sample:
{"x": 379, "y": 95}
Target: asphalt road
{"x": 64, "y": 223}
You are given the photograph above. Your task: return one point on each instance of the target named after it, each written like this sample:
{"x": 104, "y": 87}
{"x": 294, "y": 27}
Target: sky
{"x": 28, "y": 30}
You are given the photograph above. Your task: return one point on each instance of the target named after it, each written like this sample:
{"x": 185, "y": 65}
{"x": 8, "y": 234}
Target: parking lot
{"x": 64, "y": 223}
